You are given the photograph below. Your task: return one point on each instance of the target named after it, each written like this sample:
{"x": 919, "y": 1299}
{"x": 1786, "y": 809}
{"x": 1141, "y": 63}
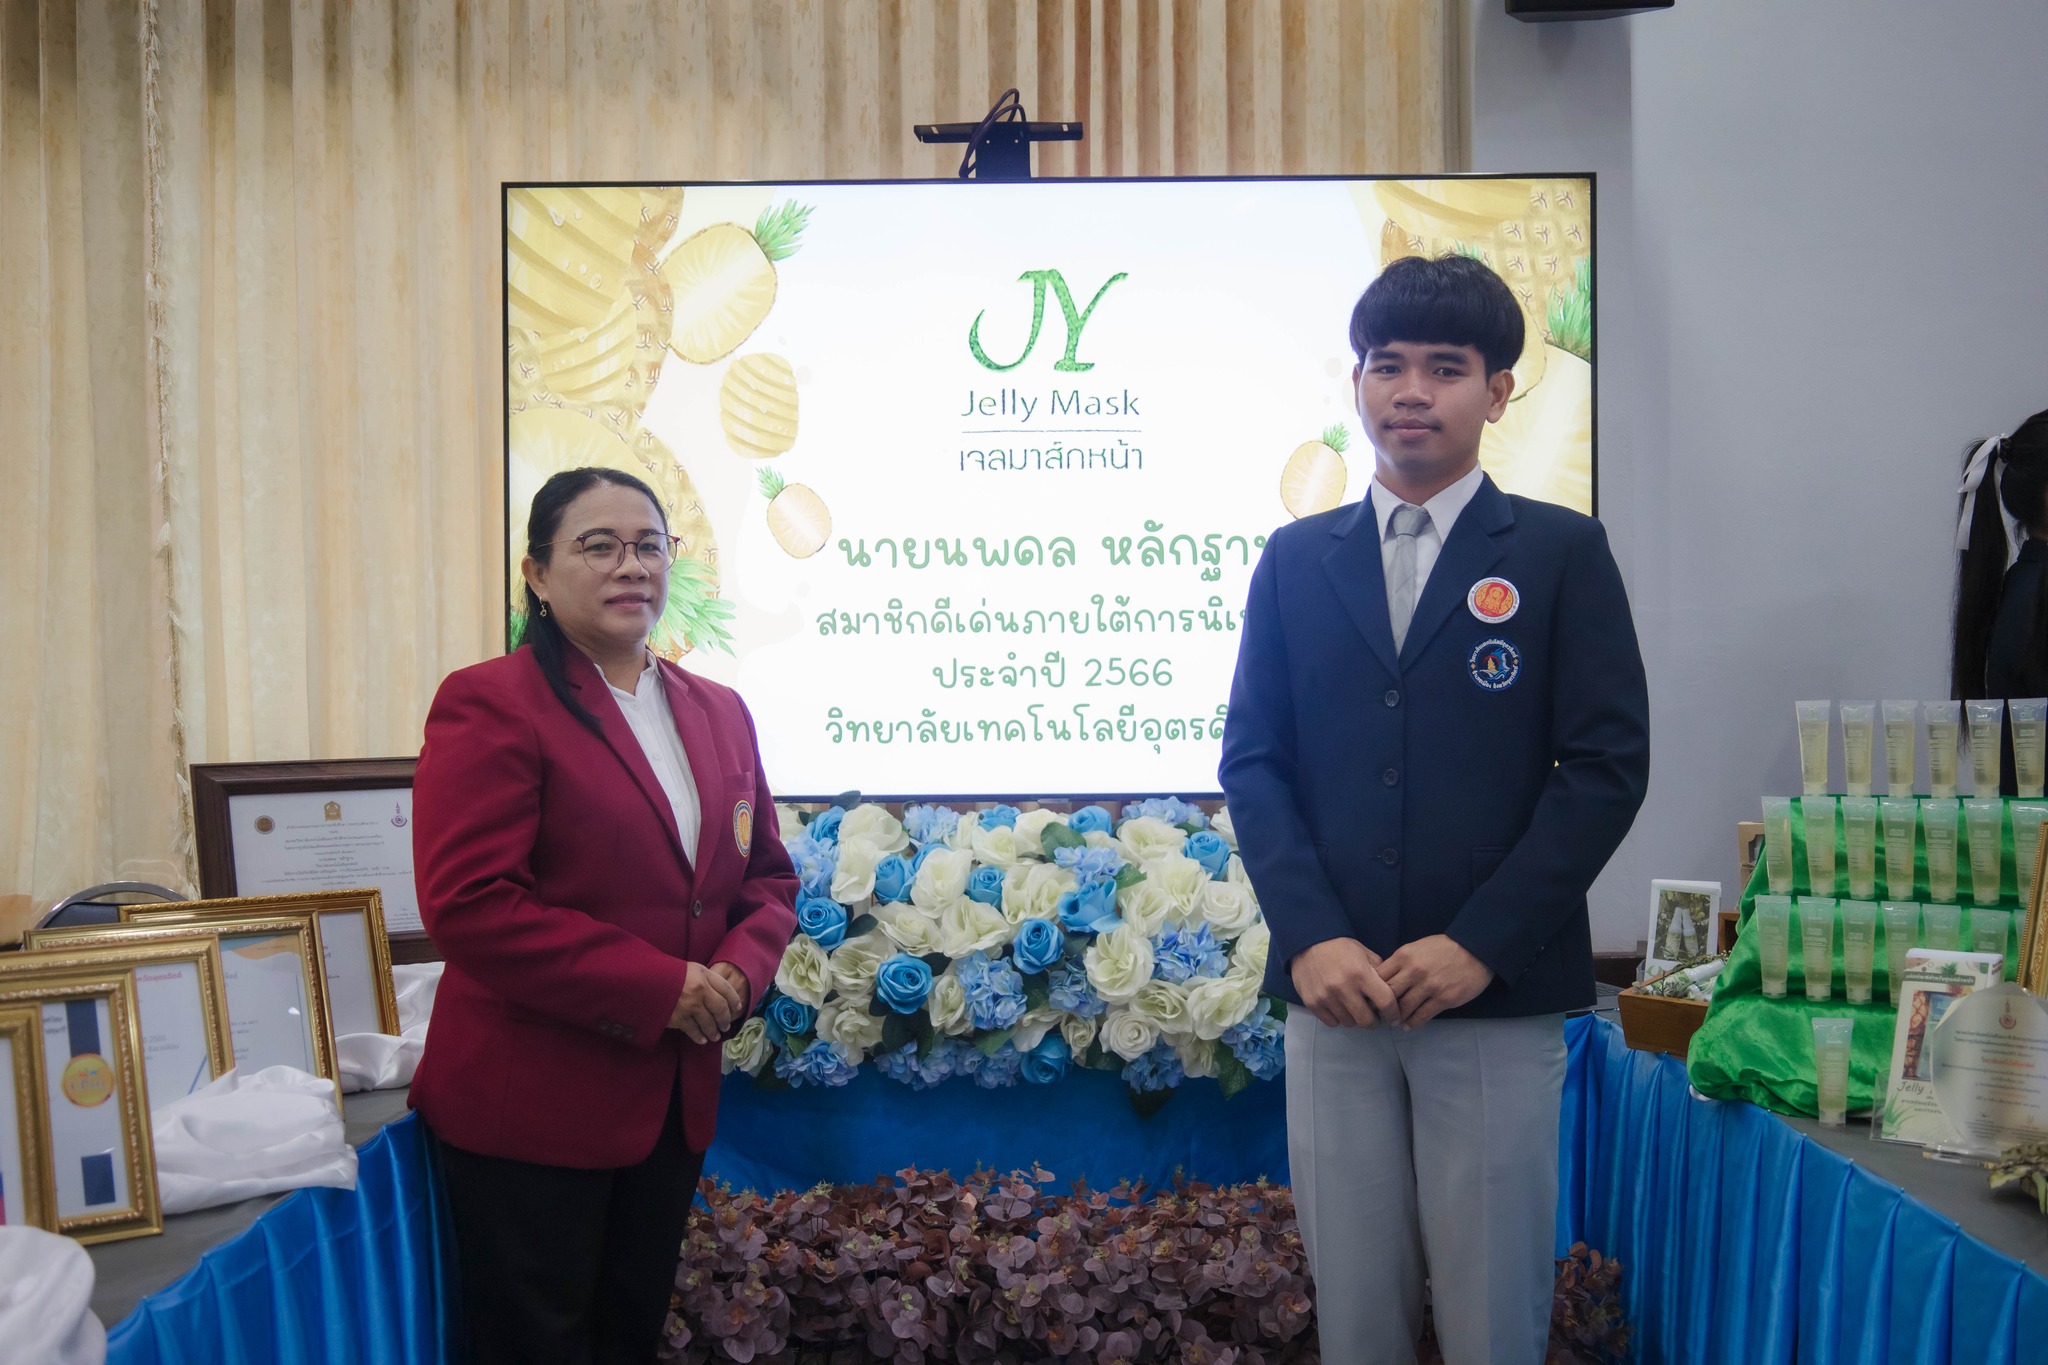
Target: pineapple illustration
{"x": 757, "y": 406}
{"x": 1314, "y": 477}
{"x": 797, "y": 517}
{"x": 722, "y": 281}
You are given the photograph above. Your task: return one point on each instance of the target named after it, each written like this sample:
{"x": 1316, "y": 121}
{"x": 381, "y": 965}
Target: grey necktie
{"x": 1406, "y": 524}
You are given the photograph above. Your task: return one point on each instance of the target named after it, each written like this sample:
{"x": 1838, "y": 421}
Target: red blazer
{"x": 553, "y": 881}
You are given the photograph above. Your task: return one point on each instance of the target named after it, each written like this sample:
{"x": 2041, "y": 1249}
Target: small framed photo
{"x": 99, "y": 1168}
{"x": 180, "y": 1001}
{"x": 276, "y": 992}
{"x": 357, "y": 960}
{"x": 1681, "y": 923}
{"x": 24, "y": 1164}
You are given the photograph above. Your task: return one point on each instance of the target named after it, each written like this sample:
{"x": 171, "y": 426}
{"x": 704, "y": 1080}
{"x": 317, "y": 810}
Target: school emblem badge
{"x": 1493, "y": 600}
{"x": 1495, "y": 664}
{"x": 743, "y": 827}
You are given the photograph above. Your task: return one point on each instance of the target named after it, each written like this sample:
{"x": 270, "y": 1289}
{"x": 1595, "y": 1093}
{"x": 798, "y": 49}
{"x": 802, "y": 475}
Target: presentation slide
{"x": 971, "y": 477}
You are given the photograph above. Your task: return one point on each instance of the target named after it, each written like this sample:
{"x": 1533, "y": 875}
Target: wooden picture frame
{"x": 361, "y": 997}
{"x": 216, "y": 787}
{"x": 253, "y": 993}
{"x": 182, "y": 1002}
{"x": 24, "y": 1164}
{"x": 99, "y": 1164}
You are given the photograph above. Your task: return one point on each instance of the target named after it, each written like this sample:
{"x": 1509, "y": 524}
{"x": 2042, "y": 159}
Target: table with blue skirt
{"x": 1744, "y": 1238}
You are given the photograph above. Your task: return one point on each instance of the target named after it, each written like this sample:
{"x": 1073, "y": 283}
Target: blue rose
{"x": 917, "y": 859}
{"x": 903, "y": 983}
{"x": 1089, "y": 909}
{"x": 985, "y": 884}
{"x": 1039, "y": 944}
{"x": 824, "y": 920}
{"x": 1000, "y": 817}
{"x": 1089, "y": 820}
{"x": 892, "y": 879}
{"x": 791, "y": 1015}
{"x": 824, "y": 827}
{"x": 1047, "y": 1062}
{"x": 1207, "y": 848}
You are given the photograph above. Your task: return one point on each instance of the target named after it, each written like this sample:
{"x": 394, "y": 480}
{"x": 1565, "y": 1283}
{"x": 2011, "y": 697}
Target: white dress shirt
{"x": 646, "y": 709}
{"x": 1443, "y": 512}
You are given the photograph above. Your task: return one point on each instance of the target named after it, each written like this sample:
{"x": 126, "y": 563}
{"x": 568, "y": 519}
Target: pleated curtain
{"x": 250, "y": 313}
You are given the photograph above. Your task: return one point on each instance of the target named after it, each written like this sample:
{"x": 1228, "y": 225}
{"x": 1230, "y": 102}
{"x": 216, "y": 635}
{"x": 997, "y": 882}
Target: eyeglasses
{"x": 604, "y": 551}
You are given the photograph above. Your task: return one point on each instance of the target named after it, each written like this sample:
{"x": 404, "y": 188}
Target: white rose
{"x": 1249, "y": 954}
{"x": 748, "y": 1050}
{"x": 1234, "y": 873}
{"x": 1118, "y": 963}
{"x": 913, "y": 930}
{"x": 1220, "y": 822}
{"x": 942, "y": 879}
{"x": 1033, "y": 891}
{"x": 874, "y": 824}
{"x": 962, "y": 837}
{"x": 1146, "y": 905}
{"x": 1127, "y": 1034}
{"x": 1078, "y": 1032}
{"x": 1098, "y": 838}
{"x": 968, "y": 926}
{"x": 1031, "y": 828}
{"x": 855, "y": 962}
{"x": 788, "y": 822}
{"x": 998, "y": 847}
{"x": 1218, "y": 1004}
{"x": 854, "y": 881}
{"x": 1183, "y": 880}
{"x": 947, "y": 1006}
{"x": 1197, "y": 1056}
{"x": 1030, "y": 1031}
{"x": 851, "y": 1026}
{"x": 1230, "y": 910}
{"x": 1148, "y": 837}
{"x": 1164, "y": 1003}
{"x": 805, "y": 973}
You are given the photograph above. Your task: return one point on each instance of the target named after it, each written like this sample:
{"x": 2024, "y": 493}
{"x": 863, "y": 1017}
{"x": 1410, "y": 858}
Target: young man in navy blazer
{"x": 1438, "y": 734}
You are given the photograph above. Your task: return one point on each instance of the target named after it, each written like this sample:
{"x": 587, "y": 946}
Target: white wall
{"x": 1823, "y": 267}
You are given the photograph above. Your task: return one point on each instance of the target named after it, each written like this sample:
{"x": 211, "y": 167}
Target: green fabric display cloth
{"x": 1759, "y": 1050}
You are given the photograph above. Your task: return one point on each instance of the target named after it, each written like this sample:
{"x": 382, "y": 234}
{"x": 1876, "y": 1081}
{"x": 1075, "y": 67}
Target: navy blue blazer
{"x": 1473, "y": 786}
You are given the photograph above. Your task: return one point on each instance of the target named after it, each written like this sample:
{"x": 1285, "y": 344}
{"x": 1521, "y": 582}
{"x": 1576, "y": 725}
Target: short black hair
{"x": 1452, "y": 300}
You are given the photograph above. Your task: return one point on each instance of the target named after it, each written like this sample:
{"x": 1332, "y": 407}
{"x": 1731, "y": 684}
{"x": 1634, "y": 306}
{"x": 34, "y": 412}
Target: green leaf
{"x": 897, "y": 1030}
{"x": 1056, "y": 837}
{"x": 1276, "y": 1007}
{"x": 938, "y": 962}
{"x": 768, "y": 1080}
{"x": 779, "y": 230}
{"x": 1148, "y": 1102}
{"x": 860, "y": 925}
{"x": 989, "y": 1044}
{"x": 1336, "y": 437}
{"x": 1101, "y": 1058}
{"x": 770, "y": 482}
{"x": 1188, "y": 827}
{"x": 1036, "y": 991}
{"x": 1232, "y": 1075}
{"x": 1128, "y": 876}
{"x": 877, "y": 1010}
{"x": 927, "y": 1041}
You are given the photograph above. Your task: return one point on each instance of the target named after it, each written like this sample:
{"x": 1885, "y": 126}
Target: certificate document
{"x": 1991, "y": 1068}
{"x": 328, "y": 841}
{"x": 1933, "y": 982}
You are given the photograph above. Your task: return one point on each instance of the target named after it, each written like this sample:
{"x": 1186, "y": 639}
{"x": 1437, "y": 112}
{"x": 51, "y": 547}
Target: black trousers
{"x": 561, "y": 1266}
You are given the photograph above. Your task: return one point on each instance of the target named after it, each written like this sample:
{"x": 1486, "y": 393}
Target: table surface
{"x": 127, "y": 1271}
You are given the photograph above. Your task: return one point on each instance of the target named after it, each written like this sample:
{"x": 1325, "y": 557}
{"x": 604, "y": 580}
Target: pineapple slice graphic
{"x": 797, "y": 517}
{"x": 757, "y": 406}
{"x": 1313, "y": 479}
{"x": 722, "y": 281}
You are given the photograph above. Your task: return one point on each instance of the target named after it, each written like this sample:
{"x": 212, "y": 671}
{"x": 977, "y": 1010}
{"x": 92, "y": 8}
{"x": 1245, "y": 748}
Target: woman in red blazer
{"x": 597, "y": 859}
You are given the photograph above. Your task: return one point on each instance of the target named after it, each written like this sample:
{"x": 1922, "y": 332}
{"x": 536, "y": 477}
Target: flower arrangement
{"x": 1006, "y": 946}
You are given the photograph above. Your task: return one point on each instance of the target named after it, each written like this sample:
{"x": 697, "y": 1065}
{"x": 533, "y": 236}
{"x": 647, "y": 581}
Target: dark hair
{"x": 543, "y": 633}
{"x": 1452, "y": 300}
{"x": 2019, "y": 473}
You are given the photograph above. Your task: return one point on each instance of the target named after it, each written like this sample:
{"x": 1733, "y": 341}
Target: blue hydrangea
{"x": 995, "y": 991}
{"x": 1000, "y": 817}
{"x": 905, "y": 1067}
{"x": 1171, "y": 809}
{"x": 1260, "y": 1042}
{"x": 929, "y": 824}
{"x": 1090, "y": 864}
{"x": 1089, "y": 820}
{"x": 1159, "y": 1069}
{"x": 1180, "y": 955}
{"x": 815, "y": 862}
{"x": 993, "y": 1072}
{"x": 1071, "y": 992}
{"x": 818, "y": 1064}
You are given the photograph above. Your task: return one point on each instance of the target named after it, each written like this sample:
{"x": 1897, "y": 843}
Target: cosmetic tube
{"x": 1987, "y": 759}
{"x": 1986, "y": 823}
{"x": 1774, "y": 942}
{"x": 1831, "y": 1063}
{"x": 1901, "y": 741}
{"x": 1859, "y": 724}
{"x": 1819, "y": 814}
{"x": 1901, "y": 931}
{"x": 1938, "y": 828}
{"x": 1813, "y": 745}
{"x": 1817, "y": 916}
{"x": 1989, "y": 929}
{"x": 1778, "y": 844}
{"x": 1944, "y": 737}
{"x": 1943, "y": 927}
{"x": 2026, "y": 844}
{"x": 2029, "y": 743}
{"x": 1859, "y": 842}
{"x": 1859, "y": 947}
{"x": 1901, "y": 835}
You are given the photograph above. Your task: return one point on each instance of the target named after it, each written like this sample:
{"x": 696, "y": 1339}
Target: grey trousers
{"x": 1429, "y": 1153}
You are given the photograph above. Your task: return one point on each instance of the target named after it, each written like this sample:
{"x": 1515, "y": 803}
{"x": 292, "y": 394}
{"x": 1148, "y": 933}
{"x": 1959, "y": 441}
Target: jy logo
{"x": 1076, "y": 320}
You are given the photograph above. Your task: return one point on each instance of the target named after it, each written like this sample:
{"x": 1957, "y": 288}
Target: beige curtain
{"x": 250, "y": 308}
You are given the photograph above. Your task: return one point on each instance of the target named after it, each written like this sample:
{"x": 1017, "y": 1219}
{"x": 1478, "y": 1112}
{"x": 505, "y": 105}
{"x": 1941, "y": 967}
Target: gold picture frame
{"x": 256, "y": 938}
{"x": 98, "y": 1011}
{"x": 199, "y": 952}
{"x": 2034, "y": 931}
{"x": 359, "y": 986}
{"x": 24, "y": 1165}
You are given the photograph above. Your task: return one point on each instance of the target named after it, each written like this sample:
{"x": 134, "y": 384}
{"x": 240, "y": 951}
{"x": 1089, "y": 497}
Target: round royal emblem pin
{"x": 1493, "y": 600}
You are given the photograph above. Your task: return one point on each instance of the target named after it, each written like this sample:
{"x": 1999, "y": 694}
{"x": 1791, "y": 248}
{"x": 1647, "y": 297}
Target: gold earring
{"x": 543, "y": 609}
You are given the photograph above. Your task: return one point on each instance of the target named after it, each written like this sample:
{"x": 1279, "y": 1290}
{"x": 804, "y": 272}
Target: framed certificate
{"x": 24, "y": 1164}
{"x": 269, "y": 828}
{"x": 180, "y": 1002}
{"x": 276, "y": 992}
{"x": 357, "y": 962}
{"x": 2033, "y": 973}
{"x": 99, "y": 1169}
